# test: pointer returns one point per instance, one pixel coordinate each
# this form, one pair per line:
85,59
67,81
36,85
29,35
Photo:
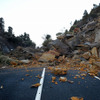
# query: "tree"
66,32
10,30
95,6
72,28
1,25
47,39
26,36
85,15
75,22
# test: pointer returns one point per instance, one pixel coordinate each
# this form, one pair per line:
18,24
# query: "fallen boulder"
62,48
86,55
48,56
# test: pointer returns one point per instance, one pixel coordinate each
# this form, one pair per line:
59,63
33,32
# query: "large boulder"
48,56
62,48
74,41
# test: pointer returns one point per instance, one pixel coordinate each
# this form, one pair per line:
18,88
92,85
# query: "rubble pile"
79,49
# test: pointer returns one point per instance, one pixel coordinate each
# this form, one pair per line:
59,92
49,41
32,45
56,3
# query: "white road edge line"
97,77
39,91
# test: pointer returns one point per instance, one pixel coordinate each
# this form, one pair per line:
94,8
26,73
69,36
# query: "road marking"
39,91
97,77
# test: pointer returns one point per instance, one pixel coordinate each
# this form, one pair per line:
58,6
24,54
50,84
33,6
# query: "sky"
41,17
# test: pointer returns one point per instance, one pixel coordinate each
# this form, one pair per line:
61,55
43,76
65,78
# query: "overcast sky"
39,17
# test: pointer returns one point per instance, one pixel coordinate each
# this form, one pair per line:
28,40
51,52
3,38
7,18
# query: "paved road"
88,88
16,89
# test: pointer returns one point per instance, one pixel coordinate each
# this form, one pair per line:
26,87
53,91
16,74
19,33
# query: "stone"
97,35
25,61
27,75
83,47
97,63
1,87
69,81
61,59
86,55
50,68
60,37
5,60
95,44
22,79
53,79
61,47
73,42
94,52
56,83
55,52
76,52
83,74
76,57
62,79
68,36
59,71
35,85
46,57
99,52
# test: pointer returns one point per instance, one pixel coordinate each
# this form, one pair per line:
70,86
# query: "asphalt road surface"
15,85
